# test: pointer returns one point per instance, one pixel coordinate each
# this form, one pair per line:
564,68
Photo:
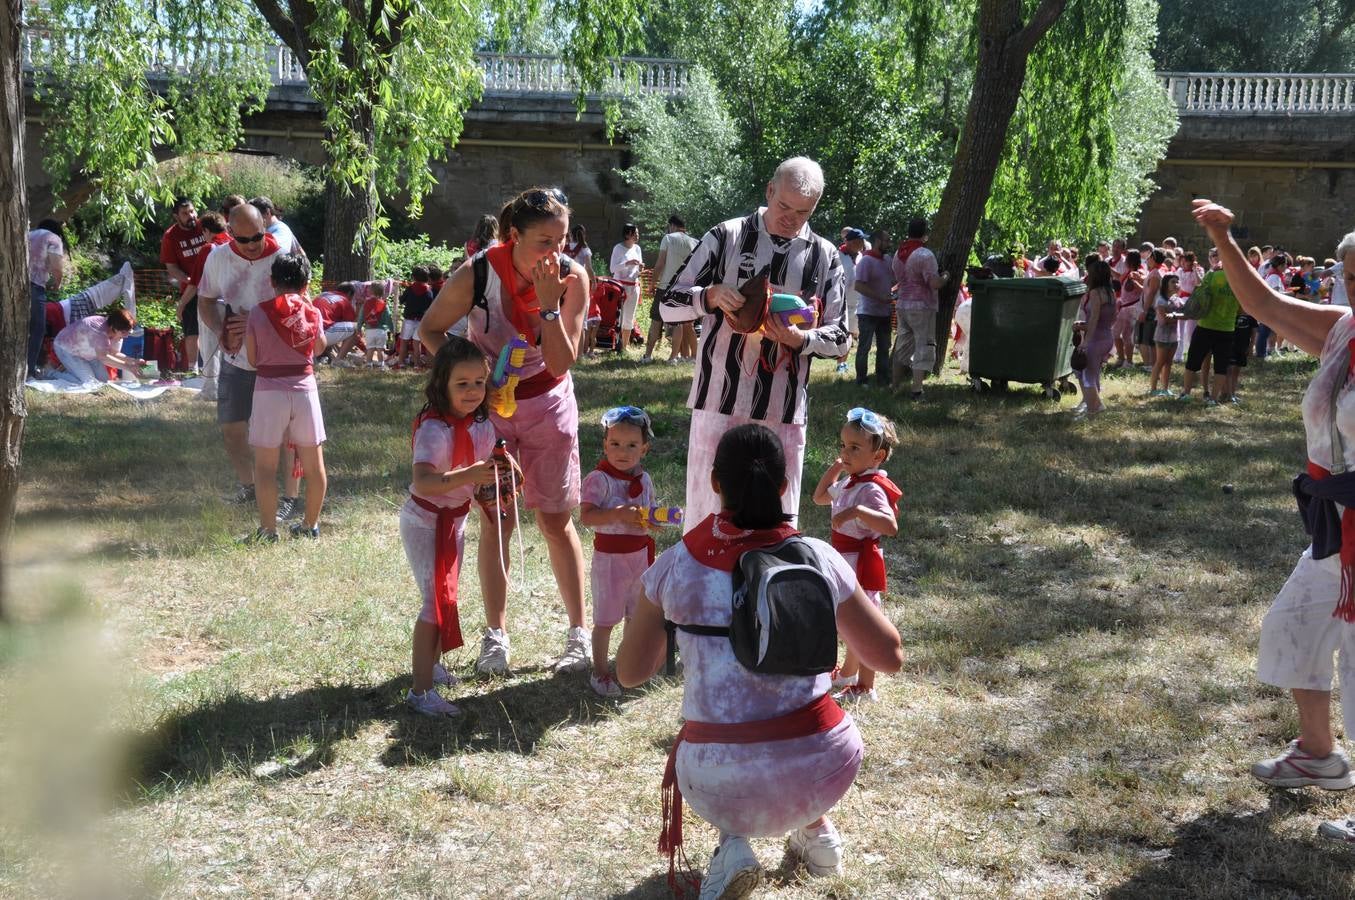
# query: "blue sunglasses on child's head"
866,419
632,414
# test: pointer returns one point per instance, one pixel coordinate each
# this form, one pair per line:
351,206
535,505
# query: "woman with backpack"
749,734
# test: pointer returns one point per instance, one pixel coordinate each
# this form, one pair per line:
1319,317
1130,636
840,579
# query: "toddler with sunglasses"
865,507
616,497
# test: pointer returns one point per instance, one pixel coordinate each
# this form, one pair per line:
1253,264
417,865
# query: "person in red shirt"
340,319
183,250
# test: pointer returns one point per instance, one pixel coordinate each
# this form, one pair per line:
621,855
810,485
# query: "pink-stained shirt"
88,338
716,686
433,445
864,493
42,245
914,279
606,492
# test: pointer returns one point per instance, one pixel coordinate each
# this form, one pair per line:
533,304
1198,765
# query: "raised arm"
1303,323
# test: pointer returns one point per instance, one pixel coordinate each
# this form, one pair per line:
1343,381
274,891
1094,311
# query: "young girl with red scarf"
865,508
282,336
759,755
616,497
452,442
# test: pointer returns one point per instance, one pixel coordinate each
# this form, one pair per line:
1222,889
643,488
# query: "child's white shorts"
375,338
409,330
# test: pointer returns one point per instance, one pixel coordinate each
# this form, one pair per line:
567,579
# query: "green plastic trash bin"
1021,329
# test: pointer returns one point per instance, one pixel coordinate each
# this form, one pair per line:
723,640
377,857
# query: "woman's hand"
1213,217
550,287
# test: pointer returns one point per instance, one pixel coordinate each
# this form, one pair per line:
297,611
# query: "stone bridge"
1280,149
525,129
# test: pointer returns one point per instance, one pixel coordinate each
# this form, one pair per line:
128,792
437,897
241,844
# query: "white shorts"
1300,637
375,338
339,331
409,331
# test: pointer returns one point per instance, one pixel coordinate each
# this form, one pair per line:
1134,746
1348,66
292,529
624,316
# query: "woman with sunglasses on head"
525,291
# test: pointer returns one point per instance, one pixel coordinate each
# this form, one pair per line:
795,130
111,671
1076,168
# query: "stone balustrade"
504,73
1260,94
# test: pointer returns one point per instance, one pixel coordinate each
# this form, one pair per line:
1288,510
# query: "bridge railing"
503,73
1223,94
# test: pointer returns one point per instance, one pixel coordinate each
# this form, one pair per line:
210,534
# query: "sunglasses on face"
248,240
866,419
629,414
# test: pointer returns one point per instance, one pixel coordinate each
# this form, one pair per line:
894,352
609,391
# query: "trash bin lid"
1057,288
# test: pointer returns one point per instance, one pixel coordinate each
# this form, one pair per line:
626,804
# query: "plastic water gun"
660,516
507,371
792,311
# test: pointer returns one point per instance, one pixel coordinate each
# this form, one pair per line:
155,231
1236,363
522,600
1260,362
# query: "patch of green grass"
1079,602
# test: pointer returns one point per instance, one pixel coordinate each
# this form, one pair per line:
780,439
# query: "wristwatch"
550,315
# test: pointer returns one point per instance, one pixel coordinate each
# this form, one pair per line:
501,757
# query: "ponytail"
750,467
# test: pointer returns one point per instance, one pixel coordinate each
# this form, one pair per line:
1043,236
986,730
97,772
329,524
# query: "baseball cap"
855,234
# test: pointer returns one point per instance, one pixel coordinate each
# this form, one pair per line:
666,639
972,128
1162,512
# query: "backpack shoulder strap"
712,630
480,272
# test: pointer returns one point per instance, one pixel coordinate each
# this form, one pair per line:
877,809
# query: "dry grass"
1079,602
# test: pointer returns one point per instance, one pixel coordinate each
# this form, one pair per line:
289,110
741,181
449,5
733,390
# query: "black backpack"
784,620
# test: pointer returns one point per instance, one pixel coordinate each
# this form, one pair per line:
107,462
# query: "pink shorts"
421,550
281,417
741,788
616,585
544,436
850,559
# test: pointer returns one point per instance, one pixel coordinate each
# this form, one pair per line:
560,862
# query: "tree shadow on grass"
287,735
1237,854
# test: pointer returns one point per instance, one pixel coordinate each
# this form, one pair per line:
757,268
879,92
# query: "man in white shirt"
674,249
280,230
235,279
849,251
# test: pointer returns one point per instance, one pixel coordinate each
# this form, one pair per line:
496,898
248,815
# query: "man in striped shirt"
760,378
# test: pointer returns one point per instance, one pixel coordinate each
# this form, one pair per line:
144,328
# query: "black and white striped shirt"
744,375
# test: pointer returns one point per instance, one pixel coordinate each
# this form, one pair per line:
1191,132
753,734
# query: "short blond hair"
802,175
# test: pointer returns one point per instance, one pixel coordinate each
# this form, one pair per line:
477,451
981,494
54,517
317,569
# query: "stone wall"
1291,180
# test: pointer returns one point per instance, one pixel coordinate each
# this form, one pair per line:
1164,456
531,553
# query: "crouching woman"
759,755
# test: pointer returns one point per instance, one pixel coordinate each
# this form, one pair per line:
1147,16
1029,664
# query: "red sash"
815,717
284,371
718,543
623,543
542,382
1345,609
446,568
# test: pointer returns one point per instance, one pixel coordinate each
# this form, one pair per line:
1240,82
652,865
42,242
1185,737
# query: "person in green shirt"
1213,335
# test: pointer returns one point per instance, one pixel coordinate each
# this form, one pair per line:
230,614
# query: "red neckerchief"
270,246
519,304
463,447
870,559
371,313
634,486
842,248
718,543
1345,608
287,313
420,288
875,253
908,247
221,238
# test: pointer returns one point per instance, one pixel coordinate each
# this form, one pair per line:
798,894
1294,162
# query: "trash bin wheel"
1052,392
1067,386
977,384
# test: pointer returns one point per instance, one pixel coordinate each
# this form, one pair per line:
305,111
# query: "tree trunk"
14,303
349,212
1004,47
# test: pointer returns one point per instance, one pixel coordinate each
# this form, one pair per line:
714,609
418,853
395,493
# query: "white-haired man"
758,377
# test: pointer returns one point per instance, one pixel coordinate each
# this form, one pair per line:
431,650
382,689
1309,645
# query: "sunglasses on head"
542,199
249,240
868,420
629,414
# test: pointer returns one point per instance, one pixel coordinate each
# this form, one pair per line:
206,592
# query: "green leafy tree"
1246,36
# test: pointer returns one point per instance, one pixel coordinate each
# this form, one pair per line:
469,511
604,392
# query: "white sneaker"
855,693
443,677
734,871
431,703
494,653
604,686
819,849
1296,768
577,655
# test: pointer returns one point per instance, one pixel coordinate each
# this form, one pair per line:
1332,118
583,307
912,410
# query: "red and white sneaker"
840,680
857,694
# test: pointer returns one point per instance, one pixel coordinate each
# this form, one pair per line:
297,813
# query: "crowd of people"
488,444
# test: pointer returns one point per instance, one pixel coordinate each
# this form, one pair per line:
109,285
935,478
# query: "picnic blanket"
135,390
